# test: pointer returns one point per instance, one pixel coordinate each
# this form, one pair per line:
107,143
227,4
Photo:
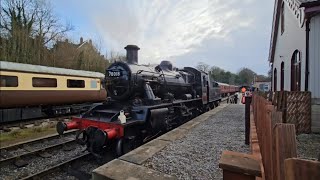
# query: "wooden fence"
295,107
277,141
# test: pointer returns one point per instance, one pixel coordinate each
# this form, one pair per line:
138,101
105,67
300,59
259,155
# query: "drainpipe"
306,86
272,77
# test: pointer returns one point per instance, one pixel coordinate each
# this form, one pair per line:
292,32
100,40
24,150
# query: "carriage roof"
12,66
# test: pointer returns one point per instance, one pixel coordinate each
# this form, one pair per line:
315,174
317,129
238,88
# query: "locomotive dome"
166,65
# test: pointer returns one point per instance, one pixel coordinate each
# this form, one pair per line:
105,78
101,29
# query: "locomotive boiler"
127,80
144,101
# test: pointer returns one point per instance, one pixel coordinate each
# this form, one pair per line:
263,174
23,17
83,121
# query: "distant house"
82,46
264,86
295,49
83,55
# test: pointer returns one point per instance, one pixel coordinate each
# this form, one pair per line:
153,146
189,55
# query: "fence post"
247,119
268,141
240,166
296,169
285,147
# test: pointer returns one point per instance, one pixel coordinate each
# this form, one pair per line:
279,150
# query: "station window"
8,81
72,83
296,71
282,18
44,82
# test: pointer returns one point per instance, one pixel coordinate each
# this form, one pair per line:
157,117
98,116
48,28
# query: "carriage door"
205,91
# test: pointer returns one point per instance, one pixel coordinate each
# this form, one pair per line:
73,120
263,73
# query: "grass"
15,136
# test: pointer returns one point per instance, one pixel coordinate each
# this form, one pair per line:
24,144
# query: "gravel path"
308,146
197,155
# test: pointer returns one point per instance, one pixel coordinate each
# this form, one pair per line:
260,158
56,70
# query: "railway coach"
227,89
32,91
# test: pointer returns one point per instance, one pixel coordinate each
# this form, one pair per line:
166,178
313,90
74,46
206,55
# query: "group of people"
233,99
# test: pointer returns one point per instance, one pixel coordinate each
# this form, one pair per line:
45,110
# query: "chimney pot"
132,54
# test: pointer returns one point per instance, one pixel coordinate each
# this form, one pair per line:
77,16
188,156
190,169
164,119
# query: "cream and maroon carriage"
30,91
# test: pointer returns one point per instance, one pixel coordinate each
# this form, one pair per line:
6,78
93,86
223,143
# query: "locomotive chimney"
132,54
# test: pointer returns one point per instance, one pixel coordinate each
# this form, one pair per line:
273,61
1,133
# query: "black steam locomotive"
144,101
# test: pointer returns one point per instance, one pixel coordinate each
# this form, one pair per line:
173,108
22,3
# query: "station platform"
191,151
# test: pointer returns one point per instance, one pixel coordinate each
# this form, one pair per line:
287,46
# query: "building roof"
274,30
308,3
12,66
220,83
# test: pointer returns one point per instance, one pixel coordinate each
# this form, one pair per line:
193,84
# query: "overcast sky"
226,33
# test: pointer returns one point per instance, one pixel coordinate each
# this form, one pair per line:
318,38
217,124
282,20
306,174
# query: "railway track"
17,151
48,157
62,166
29,158
8,126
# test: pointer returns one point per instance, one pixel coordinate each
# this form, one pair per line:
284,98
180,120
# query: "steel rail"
55,167
47,148
37,140
19,123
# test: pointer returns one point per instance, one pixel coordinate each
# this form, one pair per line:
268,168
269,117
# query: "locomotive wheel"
212,105
119,147
124,146
216,104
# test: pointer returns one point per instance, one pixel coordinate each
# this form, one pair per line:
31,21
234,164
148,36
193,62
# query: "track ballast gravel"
197,155
37,163
308,146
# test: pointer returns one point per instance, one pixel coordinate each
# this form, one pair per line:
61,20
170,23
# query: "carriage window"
8,81
44,82
71,83
93,84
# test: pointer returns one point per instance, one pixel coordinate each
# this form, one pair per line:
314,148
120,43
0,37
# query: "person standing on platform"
235,98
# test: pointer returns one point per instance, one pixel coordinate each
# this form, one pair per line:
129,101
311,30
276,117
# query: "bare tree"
203,66
48,26
27,27
17,19
113,56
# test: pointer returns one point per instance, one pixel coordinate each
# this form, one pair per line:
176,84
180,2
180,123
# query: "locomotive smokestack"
132,54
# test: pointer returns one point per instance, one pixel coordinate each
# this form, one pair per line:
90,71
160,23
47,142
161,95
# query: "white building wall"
314,57
293,38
